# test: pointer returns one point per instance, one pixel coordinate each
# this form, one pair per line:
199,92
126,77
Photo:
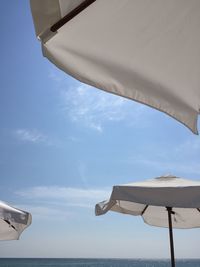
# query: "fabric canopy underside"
144,50
12,222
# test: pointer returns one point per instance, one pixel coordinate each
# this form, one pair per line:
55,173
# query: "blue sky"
64,144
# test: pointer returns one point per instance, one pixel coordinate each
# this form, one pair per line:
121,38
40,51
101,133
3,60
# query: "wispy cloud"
92,107
67,196
33,136
63,193
52,202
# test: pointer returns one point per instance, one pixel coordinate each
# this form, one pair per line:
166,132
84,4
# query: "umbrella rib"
144,209
71,15
10,224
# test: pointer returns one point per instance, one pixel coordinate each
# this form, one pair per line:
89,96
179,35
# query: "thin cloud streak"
54,202
68,194
33,136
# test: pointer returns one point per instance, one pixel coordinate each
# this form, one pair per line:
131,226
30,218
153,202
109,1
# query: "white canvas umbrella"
144,50
165,201
12,221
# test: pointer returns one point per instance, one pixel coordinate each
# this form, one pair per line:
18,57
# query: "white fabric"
145,50
47,12
12,222
150,199
69,5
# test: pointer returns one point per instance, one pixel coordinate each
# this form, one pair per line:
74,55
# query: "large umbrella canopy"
12,221
144,50
165,201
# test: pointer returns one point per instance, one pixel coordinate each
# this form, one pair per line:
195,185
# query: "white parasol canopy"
144,50
150,199
165,201
12,221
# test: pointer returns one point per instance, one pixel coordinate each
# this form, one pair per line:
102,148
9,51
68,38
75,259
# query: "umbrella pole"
169,210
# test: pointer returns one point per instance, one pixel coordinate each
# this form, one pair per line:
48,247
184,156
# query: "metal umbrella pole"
170,212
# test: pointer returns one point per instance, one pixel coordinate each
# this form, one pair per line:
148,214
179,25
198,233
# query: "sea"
18,262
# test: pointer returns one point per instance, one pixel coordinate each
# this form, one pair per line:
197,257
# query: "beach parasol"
165,201
144,50
12,221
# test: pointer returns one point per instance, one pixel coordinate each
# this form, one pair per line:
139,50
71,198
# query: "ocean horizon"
96,262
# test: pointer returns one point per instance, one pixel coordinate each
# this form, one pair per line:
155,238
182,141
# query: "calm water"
95,263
